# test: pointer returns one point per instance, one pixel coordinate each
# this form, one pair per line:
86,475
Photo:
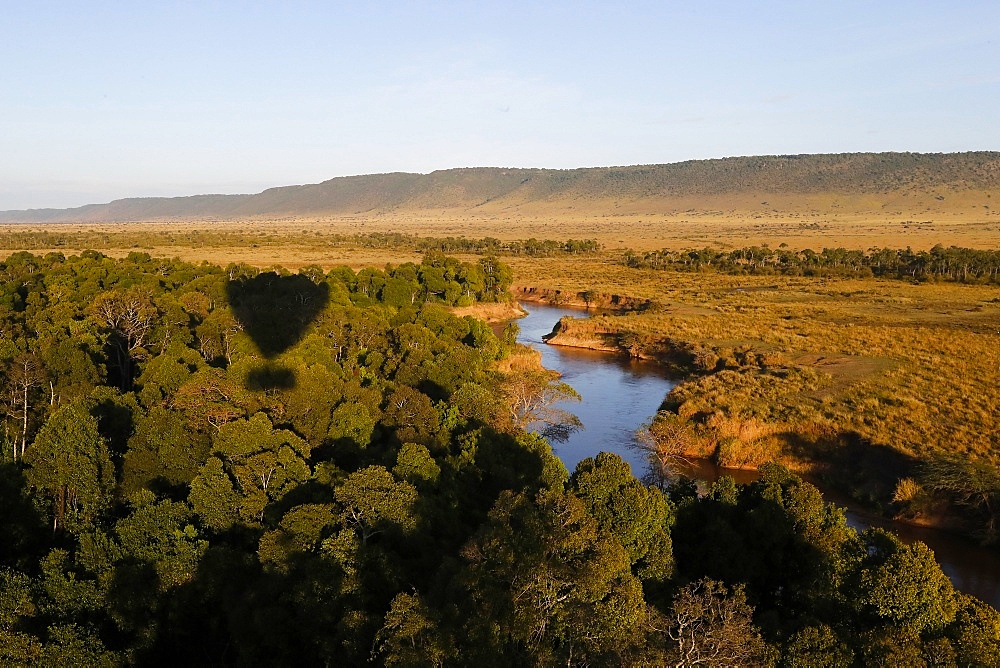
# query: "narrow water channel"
620,395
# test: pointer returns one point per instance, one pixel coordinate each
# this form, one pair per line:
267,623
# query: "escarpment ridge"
898,184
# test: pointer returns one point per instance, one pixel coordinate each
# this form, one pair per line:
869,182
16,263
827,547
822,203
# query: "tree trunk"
24,427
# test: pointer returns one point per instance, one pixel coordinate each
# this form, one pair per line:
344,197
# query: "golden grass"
490,312
912,367
919,220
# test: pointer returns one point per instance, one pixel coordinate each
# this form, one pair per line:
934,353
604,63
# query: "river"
619,395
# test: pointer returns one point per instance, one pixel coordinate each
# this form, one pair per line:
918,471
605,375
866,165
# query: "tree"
817,646
711,625
162,452
161,533
72,370
24,375
415,465
548,586
128,316
411,635
211,398
213,496
904,585
412,415
301,530
253,461
17,606
638,516
976,633
74,645
667,443
400,292
216,333
973,483
372,500
531,397
497,279
69,461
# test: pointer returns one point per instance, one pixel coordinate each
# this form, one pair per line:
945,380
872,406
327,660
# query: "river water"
619,395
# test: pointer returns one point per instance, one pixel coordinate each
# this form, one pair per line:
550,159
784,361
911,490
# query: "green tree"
548,586
415,465
638,516
72,370
161,533
412,415
69,462
372,501
74,645
301,530
25,376
17,648
904,585
257,462
213,496
497,279
412,636
817,646
975,633
163,452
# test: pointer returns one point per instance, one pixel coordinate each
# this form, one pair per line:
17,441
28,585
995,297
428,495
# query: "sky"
104,100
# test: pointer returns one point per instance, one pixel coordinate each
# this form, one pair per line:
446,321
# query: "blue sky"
106,100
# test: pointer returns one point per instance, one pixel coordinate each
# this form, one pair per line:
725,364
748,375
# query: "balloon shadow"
275,312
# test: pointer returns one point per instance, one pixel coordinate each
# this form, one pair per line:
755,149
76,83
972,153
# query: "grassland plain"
309,240
797,368
860,379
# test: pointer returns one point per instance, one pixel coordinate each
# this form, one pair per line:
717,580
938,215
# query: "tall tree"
532,397
548,586
70,463
127,315
709,625
24,375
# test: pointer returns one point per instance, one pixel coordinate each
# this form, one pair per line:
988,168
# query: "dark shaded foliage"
349,492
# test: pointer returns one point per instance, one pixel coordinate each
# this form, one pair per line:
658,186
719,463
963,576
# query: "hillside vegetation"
878,183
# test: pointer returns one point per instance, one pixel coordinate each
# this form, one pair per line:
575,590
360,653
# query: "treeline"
530,247
485,246
35,240
966,265
207,466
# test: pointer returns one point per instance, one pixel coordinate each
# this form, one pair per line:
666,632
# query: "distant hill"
853,182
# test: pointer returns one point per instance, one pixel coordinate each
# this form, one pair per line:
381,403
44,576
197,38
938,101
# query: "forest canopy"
228,466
